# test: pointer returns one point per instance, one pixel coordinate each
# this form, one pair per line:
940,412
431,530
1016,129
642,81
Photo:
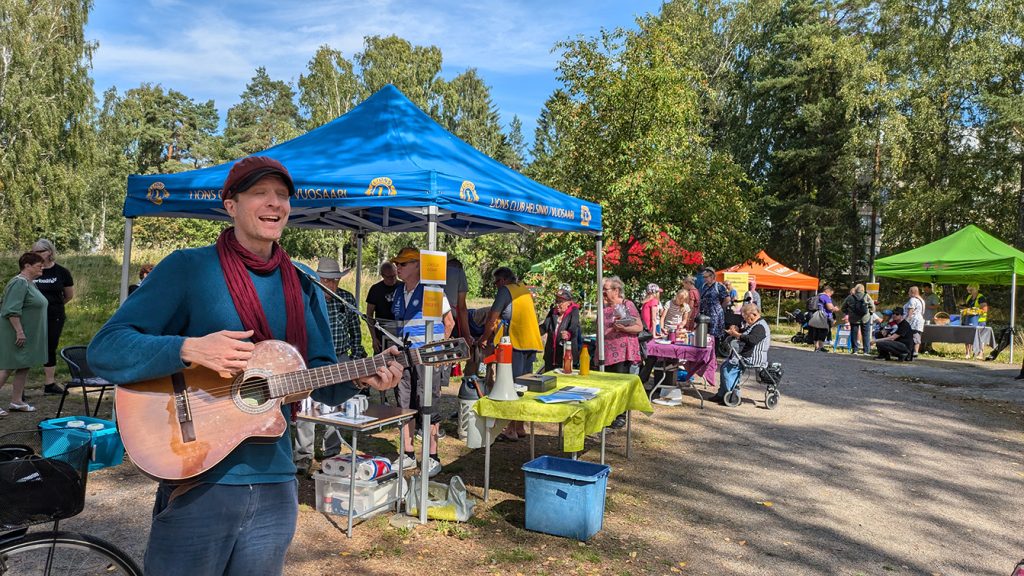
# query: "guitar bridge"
182,408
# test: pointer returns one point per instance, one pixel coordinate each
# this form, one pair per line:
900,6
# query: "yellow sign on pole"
872,290
739,282
433,303
433,267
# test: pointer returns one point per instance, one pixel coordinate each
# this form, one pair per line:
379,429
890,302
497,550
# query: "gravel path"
866,467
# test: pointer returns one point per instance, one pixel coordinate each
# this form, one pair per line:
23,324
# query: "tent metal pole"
599,252
778,308
428,377
1013,312
126,258
359,267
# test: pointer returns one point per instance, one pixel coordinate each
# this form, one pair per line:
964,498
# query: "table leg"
352,483
629,433
532,444
603,432
487,460
400,501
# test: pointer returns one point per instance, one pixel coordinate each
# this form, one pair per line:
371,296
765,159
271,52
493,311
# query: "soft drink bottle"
585,361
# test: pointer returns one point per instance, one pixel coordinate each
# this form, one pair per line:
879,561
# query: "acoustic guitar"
179,426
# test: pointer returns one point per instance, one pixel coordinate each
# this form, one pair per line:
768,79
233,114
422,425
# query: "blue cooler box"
565,497
107,447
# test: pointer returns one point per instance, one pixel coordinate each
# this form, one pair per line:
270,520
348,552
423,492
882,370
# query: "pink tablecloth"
698,361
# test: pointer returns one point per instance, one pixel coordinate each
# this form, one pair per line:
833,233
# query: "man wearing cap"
901,342
408,311
348,345
206,306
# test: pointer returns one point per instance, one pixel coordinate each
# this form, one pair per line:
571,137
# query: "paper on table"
570,394
340,417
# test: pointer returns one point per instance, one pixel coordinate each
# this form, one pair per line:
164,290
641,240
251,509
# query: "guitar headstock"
442,352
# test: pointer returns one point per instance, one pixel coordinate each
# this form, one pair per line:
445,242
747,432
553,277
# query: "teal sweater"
186,296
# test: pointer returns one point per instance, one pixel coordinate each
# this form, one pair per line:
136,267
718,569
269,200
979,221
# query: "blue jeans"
728,376
863,331
222,529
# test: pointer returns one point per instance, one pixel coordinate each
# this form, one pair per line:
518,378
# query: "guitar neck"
281,385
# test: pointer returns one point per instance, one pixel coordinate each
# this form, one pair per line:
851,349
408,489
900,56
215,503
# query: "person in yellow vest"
513,313
975,313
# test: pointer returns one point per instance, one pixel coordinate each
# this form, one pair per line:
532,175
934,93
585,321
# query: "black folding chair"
82,377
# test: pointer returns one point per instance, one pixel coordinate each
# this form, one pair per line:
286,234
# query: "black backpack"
813,303
859,308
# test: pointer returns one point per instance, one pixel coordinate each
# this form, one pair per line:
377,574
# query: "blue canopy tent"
385,166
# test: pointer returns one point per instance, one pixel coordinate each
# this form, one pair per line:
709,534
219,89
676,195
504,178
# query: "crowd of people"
896,333
240,516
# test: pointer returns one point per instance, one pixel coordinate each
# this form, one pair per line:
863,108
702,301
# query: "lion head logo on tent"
157,193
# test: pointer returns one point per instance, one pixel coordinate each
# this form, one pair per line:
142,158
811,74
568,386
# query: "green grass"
452,529
514,555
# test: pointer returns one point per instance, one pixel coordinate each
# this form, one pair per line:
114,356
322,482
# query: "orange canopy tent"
773,276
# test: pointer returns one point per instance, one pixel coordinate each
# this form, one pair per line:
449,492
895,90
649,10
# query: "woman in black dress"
58,287
562,325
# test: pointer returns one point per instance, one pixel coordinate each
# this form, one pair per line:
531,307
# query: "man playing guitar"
207,306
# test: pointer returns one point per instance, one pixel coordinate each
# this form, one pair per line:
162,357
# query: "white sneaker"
434,469
407,463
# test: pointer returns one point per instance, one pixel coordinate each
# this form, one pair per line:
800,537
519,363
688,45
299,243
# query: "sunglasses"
403,264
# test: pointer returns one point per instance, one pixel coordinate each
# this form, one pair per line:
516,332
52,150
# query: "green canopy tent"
965,256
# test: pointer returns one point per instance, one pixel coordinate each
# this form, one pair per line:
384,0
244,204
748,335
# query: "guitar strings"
293,378
304,379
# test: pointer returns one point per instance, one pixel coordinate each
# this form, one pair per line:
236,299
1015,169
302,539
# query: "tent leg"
428,377
778,308
599,252
1013,312
359,267
126,258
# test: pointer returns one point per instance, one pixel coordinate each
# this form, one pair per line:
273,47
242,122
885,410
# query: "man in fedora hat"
207,306
348,345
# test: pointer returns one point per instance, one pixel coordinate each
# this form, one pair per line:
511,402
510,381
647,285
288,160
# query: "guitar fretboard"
281,385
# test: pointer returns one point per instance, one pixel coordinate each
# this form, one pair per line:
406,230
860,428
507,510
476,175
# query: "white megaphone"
504,384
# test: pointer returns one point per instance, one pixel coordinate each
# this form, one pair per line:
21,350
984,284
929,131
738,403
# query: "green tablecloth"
619,392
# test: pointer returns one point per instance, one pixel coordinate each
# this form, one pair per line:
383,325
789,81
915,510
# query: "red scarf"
234,260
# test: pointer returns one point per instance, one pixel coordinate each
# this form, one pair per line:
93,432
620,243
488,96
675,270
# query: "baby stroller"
801,317
771,377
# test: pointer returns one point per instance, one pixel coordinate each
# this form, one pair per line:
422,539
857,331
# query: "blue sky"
211,49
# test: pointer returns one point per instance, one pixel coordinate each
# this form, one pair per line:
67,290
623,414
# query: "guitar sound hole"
253,393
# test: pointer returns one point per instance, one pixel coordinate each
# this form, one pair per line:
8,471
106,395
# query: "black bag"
645,336
860,307
813,303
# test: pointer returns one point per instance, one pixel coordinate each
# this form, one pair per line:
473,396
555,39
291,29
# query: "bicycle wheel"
73,554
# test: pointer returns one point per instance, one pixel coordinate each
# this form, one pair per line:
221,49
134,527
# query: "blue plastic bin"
565,497
108,450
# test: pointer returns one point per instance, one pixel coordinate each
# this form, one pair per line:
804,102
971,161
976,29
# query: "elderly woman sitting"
753,339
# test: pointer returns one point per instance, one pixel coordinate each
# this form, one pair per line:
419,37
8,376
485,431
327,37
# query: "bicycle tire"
74,554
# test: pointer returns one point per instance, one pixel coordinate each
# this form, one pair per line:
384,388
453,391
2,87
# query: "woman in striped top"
755,338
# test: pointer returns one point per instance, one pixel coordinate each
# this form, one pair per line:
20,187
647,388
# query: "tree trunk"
1019,240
